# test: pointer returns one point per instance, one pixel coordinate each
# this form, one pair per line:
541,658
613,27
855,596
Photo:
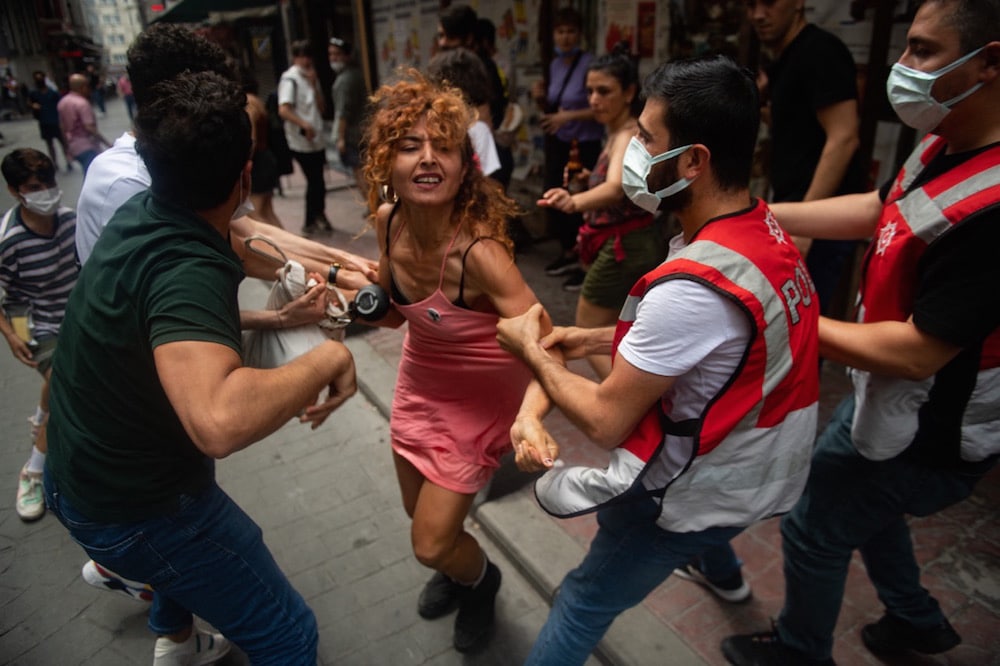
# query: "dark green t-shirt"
158,274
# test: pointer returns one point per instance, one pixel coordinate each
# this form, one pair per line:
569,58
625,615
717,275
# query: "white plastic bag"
270,348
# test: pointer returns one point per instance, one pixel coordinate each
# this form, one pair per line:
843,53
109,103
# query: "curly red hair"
396,107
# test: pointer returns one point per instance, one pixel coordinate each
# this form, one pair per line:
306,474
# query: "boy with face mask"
36,228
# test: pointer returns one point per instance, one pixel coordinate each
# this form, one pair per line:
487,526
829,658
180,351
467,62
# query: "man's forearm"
830,169
246,404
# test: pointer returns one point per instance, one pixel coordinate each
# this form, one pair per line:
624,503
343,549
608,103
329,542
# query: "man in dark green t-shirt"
152,390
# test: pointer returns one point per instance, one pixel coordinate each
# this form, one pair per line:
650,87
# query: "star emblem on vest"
774,227
885,237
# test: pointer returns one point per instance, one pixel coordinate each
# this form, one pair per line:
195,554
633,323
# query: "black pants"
563,226
312,167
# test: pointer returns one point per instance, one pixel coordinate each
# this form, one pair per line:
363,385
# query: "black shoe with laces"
475,612
439,596
893,635
766,649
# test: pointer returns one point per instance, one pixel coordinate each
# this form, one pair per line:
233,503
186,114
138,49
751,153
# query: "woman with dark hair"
447,264
618,242
567,119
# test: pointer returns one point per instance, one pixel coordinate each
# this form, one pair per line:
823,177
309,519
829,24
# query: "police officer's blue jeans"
850,503
628,558
206,558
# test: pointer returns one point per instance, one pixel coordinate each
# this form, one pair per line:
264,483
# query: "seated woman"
619,241
446,263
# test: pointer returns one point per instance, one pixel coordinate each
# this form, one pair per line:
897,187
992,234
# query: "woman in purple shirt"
567,116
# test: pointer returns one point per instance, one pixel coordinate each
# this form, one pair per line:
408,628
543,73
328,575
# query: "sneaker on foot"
893,635
323,224
200,649
475,612
766,649
575,281
30,503
439,596
562,265
733,589
106,579
309,229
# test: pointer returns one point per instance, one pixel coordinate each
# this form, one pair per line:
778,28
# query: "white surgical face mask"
44,202
635,169
337,65
909,93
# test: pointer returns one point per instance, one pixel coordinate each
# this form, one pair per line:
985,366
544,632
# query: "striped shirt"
39,271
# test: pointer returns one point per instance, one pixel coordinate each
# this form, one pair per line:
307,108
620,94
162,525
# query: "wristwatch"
331,277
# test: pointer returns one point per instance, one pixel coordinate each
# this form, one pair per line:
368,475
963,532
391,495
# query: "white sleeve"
485,147
682,323
286,91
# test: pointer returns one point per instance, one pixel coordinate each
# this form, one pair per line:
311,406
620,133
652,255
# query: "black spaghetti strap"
460,301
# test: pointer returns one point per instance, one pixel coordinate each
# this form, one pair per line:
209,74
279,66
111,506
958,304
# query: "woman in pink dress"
448,266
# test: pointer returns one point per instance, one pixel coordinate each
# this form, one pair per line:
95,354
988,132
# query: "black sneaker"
574,282
562,265
475,612
733,589
892,635
309,229
439,596
766,649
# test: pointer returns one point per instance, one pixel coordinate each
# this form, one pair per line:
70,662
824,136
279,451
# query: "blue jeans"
628,558
851,503
207,558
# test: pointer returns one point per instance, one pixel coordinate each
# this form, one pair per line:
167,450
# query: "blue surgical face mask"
635,170
909,93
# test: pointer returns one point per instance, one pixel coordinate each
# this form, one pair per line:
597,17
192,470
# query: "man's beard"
678,201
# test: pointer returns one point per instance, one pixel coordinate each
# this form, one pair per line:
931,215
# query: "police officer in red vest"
710,408
924,353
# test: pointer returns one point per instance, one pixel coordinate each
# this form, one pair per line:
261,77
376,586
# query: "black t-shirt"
813,72
956,300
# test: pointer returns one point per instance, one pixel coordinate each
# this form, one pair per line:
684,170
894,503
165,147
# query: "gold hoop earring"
388,194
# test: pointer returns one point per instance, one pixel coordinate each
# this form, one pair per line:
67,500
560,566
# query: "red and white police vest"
747,456
886,408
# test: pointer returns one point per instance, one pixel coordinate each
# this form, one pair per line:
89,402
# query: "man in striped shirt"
38,268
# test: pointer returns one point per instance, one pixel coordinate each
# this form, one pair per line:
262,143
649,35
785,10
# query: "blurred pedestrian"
300,104
350,96
125,90
44,100
78,123
568,122
264,176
